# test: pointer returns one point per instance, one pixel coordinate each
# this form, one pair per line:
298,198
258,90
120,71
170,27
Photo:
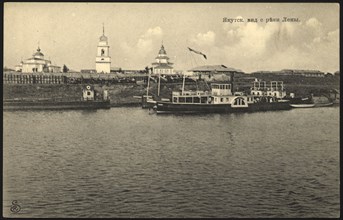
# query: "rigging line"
207,85
190,58
196,84
195,60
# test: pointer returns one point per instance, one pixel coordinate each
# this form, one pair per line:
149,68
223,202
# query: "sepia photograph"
171,110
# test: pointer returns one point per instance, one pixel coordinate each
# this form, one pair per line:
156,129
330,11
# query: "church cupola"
38,54
162,51
103,37
162,64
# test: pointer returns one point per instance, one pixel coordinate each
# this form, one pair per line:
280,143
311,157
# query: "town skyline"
69,33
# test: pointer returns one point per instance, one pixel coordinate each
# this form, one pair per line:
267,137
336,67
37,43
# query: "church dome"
38,53
103,38
162,51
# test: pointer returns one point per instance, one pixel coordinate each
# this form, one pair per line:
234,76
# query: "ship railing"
191,93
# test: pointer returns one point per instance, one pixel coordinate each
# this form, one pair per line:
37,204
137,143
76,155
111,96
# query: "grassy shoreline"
126,94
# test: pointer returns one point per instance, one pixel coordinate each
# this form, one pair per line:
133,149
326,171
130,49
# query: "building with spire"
103,59
37,63
162,64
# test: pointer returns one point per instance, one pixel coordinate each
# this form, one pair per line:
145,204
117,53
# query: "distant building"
162,64
116,70
88,71
306,73
103,59
212,70
37,63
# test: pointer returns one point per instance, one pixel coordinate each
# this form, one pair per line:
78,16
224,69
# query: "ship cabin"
191,97
261,89
222,94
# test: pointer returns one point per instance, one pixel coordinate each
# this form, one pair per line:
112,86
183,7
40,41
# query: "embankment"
123,94
120,94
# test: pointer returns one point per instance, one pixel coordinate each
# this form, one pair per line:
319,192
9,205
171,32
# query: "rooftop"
162,57
163,66
217,68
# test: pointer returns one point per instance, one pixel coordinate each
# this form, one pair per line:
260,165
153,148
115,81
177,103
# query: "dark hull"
167,107
300,101
55,105
147,103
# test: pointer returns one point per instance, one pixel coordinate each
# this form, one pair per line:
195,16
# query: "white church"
162,64
37,64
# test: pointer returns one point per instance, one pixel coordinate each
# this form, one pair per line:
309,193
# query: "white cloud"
145,43
313,23
273,46
143,48
151,32
204,39
333,36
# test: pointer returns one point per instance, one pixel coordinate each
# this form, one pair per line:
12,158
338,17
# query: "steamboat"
221,99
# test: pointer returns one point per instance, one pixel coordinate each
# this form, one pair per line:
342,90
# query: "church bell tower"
103,59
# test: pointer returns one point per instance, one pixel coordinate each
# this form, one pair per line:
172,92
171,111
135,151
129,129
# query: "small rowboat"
323,104
302,105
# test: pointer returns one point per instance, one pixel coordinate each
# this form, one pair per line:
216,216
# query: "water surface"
124,162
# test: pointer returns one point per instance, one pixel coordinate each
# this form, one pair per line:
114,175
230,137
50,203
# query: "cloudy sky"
68,33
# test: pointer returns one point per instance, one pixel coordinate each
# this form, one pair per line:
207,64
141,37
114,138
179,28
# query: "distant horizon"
136,32
79,71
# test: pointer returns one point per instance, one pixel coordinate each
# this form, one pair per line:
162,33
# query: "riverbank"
125,94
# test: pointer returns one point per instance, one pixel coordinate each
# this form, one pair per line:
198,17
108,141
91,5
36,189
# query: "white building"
103,59
162,64
88,93
37,63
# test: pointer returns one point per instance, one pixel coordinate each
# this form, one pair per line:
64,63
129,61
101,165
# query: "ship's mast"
147,88
159,84
183,84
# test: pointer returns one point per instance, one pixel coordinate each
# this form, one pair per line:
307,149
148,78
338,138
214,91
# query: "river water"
125,162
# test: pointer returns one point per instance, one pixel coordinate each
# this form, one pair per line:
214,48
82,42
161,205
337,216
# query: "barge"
87,101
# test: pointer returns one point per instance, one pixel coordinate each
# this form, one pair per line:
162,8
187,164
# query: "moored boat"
87,101
221,99
301,102
323,104
148,101
302,105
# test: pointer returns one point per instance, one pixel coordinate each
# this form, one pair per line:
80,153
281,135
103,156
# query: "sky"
68,33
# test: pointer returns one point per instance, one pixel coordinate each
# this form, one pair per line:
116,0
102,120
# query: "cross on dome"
103,37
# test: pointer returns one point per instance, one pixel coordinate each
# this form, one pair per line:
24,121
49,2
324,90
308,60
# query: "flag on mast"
197,52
